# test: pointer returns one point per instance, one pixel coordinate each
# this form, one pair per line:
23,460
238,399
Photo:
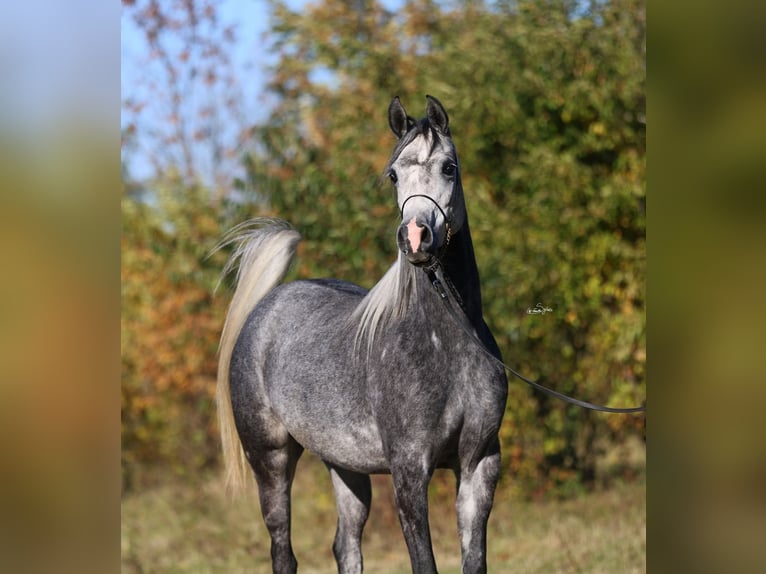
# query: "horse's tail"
264,249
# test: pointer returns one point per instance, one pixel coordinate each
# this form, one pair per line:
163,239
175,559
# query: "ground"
184,527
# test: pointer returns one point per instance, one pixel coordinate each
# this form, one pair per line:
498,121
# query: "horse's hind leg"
353,495
274,471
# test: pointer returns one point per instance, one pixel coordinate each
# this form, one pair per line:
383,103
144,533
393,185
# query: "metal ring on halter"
447,225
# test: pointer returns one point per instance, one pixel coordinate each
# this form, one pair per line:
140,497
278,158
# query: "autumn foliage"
171,322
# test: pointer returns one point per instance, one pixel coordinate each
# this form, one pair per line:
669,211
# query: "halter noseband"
447,220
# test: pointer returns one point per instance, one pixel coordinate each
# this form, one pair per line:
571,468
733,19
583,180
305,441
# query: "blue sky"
251,61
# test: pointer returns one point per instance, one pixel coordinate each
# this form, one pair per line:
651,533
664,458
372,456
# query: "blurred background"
281,110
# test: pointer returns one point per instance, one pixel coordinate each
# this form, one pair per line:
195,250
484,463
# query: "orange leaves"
170,328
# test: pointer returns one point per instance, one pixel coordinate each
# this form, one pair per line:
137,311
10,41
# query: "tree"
171,323
185,106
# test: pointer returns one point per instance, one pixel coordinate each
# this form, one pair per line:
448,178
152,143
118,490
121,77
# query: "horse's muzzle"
416,240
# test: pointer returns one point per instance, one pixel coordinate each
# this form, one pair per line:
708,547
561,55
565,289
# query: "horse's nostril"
426,238
401,239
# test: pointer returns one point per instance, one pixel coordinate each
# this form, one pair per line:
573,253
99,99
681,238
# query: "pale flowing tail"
264,249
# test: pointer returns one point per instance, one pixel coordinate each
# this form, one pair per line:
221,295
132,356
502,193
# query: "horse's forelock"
421,128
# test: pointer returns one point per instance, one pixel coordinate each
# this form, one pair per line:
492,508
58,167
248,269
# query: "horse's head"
425,170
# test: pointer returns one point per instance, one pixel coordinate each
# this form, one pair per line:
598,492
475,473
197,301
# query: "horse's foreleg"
353,495
274,471
476,490
411,493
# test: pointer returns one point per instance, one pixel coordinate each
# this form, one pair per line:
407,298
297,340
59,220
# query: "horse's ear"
437,116
397,118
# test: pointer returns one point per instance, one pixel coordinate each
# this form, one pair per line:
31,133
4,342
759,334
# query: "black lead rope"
460,319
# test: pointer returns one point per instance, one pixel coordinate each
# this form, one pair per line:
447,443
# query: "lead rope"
461,320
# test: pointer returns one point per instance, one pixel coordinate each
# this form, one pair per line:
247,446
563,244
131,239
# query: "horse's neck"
460,266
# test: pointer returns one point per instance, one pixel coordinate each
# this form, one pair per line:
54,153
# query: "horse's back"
293,311
285,328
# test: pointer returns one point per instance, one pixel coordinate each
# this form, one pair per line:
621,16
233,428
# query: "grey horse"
378,381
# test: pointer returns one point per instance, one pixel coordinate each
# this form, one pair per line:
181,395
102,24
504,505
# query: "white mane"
386,302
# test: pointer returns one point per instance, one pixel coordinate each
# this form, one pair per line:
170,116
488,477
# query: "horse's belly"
345,442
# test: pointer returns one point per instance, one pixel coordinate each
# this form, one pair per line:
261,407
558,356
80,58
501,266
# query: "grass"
185,528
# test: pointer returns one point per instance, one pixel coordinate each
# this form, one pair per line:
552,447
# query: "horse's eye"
448,169
392,176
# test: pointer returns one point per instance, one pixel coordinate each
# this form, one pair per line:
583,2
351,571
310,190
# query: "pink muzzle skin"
414,235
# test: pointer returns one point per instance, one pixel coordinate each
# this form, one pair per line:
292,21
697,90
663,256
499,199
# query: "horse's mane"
385,303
